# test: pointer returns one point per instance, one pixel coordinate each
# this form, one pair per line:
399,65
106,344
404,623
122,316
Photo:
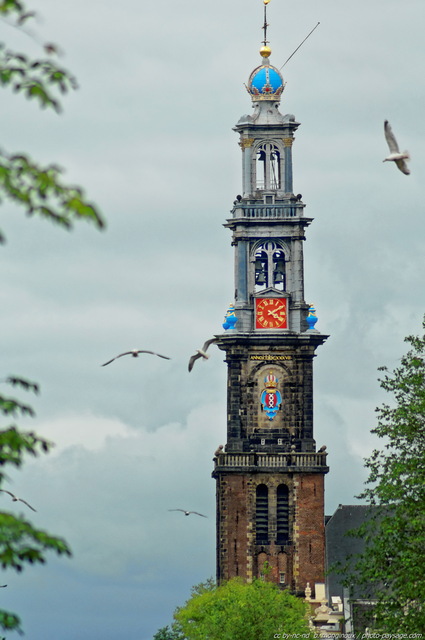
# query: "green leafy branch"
13,443
35,78
9,622
10,7
40,191
19,14
20,542
17,381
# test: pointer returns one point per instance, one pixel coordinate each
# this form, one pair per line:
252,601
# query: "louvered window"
282,515
262,514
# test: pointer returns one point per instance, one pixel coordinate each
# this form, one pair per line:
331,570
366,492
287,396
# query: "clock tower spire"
270,477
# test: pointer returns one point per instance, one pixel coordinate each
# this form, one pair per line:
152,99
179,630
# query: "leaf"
9,406
14,444
10,622
38,79
23,383
40,190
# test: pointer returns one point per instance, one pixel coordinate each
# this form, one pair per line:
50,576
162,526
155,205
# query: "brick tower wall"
309,530
301,560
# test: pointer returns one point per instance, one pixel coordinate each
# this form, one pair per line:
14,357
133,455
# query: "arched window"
282,515
269,267
268,167
262,514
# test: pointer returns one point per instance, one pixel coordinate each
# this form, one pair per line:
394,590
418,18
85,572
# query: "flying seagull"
201,353
187,513
395,155
15,499
135,354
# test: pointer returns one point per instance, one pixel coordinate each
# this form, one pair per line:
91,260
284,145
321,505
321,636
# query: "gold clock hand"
275,313
279,308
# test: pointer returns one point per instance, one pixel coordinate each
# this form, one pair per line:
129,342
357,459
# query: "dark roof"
339,545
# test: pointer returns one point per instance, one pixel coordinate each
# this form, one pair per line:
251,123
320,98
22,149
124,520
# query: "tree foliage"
168,633
40,191
20,542
39,79
256,611
394,560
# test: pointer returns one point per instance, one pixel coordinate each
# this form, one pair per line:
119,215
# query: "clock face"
271,313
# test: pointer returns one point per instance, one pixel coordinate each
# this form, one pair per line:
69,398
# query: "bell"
260,278
279,277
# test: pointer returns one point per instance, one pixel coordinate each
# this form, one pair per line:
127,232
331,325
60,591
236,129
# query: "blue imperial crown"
265,83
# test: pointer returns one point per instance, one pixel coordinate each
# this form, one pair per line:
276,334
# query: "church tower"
269,476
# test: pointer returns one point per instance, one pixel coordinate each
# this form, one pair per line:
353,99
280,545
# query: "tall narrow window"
268,167
282,515
262,514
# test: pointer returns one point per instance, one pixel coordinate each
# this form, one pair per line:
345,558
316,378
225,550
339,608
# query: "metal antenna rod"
300,45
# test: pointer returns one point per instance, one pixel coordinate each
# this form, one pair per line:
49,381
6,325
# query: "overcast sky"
149,135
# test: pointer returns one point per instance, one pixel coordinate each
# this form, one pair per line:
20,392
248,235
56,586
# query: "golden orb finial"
266,1
265,51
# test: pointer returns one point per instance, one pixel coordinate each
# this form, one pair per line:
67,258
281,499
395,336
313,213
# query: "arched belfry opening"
268,167
269,266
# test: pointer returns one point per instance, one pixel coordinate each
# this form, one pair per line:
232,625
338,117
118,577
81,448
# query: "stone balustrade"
268,211
284,462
